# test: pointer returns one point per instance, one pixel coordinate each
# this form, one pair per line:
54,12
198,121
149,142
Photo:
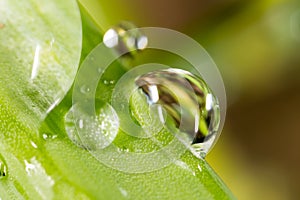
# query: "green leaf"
41,161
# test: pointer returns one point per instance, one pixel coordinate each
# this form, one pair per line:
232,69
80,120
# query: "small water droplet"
105,82
188,101
108,82
47,136
3,168
111,82
120,38
85,89
95,131
124,149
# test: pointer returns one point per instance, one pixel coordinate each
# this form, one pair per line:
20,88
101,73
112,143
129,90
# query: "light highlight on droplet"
110,38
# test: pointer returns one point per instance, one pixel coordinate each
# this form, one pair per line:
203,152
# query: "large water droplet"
189,102
92,132
3,168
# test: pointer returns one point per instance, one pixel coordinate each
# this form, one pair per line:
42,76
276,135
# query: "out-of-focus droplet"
189,102
105,82
112,82
48,136
108,82
3,168
93,132
119,38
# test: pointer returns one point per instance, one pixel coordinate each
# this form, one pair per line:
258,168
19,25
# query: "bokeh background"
256,45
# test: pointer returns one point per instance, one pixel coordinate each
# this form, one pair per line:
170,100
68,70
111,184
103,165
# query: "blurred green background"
256,45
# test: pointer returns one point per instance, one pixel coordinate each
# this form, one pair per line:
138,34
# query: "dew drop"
85,89
120,38
3,168
45,136
94,131
105,82
48,136
112,82
188,101
122,150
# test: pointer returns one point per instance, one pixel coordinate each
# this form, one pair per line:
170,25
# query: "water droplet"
120,38
45,136
3,169
124,149
189,102
85,89
108,82
105,82
48,136
95,131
